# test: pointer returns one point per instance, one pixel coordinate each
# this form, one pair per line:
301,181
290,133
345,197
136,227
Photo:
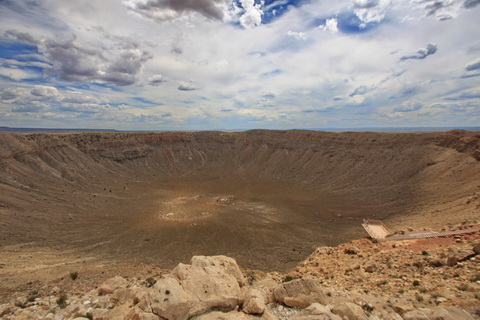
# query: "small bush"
368,307
416,283
149,282
288,279
74,275
62,301
32,296
476,278
463,287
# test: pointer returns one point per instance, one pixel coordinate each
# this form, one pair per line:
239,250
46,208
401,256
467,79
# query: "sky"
239,64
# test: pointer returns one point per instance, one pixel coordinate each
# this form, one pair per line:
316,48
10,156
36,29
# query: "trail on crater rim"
266,198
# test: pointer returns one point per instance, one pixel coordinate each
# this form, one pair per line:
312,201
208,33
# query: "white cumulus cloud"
330,25
252,15
297,35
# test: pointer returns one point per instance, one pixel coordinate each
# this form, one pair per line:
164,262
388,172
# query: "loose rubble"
435,279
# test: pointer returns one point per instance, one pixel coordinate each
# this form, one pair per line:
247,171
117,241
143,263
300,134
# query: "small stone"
402,308
371,268
476,248
351,250
254,302
439,300
451,261
436,263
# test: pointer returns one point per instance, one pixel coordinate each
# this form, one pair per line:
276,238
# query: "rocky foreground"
418,279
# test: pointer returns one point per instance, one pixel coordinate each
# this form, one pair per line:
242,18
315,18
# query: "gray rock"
208,283
254,302
316,311
169,300
138,314
390,316
450,313
5,309
349,310
112,284
216,315
420,314
300,293
451,261
476,248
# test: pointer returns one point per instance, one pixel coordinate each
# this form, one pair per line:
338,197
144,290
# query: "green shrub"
288,279
62,301
74,275
149,282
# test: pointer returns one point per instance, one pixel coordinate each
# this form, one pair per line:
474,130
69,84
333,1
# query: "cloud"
21,36
467,95
252,15
44,91
187,86
360,91
124,69
365,4
469,4
9,93
45,94
156,80
297,35
29,108
330,25
72,60
474,65
87,52
422,53
442,9
408,106
371,11
268,96
164,10
16,74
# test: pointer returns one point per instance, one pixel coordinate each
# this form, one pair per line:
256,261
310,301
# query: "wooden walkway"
431,234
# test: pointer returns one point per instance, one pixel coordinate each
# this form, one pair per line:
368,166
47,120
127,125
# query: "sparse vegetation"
416,283
62,301
150,282
288,279
475,278
74,275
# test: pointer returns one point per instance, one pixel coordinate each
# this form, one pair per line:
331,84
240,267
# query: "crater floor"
267,199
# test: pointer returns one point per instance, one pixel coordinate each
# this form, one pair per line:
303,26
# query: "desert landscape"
285,205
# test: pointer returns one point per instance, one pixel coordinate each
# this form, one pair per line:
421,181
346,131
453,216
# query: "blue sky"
223,64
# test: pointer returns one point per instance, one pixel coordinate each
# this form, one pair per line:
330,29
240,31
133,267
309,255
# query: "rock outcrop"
214,288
